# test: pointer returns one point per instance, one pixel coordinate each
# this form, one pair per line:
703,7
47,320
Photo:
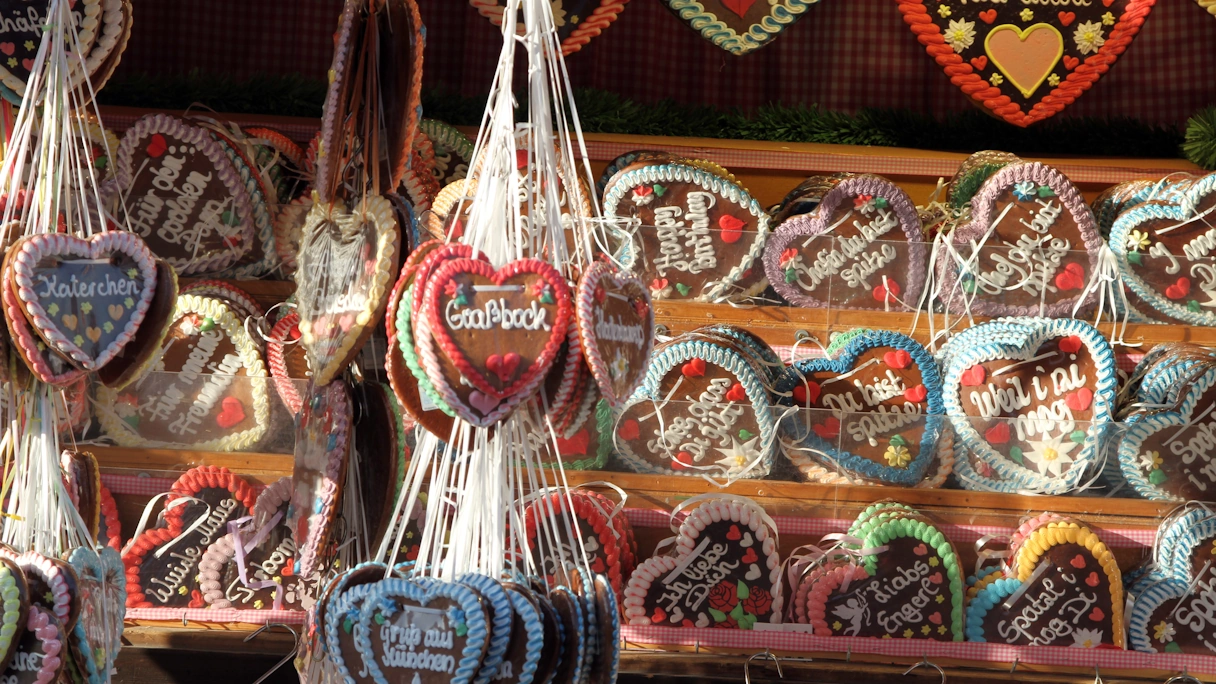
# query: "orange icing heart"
1025,56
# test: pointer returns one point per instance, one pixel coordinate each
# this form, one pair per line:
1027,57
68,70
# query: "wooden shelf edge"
263,467
212,637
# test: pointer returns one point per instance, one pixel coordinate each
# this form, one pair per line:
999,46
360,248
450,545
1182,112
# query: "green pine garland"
604,112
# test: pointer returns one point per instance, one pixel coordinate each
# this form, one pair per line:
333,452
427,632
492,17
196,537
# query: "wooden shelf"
264,468
212,637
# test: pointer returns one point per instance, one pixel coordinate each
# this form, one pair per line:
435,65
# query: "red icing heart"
897,359
980,63
1107,3
688,623
807,393
1066,18
196,599
659,615
521,159
576,445
936,578
288,570
1071,62
888,293
973,376
1077,562
503,366
736,393
28,64
682,460
8,48
598,565
920,549
1180,288
1093,579
997,434
750,556
659,284
695,368
936,618
156,145
739,7
734,534
1079,400
916,394
628,430
232,412
732,229
988,16
829,429
1071,278
1096,614
1070,344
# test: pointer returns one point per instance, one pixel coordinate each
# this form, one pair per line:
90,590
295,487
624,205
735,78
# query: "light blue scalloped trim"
985,601
1180,564
424,592
707,181
1128,220
613,618
759,34
969,479
591,618
616,165
984,572
534,631
91,675
967,436
886,530
1140,426
1142,611
415,234
662,361
1172,534
843,362
580,623
343,604
769,361
500,629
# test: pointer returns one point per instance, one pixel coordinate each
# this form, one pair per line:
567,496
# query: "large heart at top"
500,328
616,325
1030,248
345,268
863,248
85,298
1025,63
739,26
577,21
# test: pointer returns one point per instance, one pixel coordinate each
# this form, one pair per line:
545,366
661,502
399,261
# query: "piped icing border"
1140,426
745,512
276,358
263,224
315,517
500,617
44,627
780,16
534,635
584,306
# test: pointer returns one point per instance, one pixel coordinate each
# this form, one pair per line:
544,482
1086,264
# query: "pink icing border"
639,583
320,524
19,329
276,358
817,598
51,635
329,125
52,574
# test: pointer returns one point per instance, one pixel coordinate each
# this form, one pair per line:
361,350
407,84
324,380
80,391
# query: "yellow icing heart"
1025,56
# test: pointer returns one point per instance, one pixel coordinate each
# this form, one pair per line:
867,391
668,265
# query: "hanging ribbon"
241,547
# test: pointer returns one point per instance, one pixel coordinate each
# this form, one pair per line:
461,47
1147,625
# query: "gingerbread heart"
501,329
288,230
109,528
85,298
322,448
1163,617
874,408
527,651
1065,589
600,542
910,588
411,387
102,585
1025,63
186,199
1033,403
739,26
616,325
1164,253
1030,248
82,480
13,613
576,21
691,234
453,151
726,572
703,410
863,248
207,390
1161,453
288,360
347,259
144,349
21,35
40,654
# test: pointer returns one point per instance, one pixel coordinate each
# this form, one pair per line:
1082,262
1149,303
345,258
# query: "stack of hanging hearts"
1171,599
471,341
377,624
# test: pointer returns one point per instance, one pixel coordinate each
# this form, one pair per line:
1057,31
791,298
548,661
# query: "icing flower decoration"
723,597
943,11
559,14
1053,80
1138,240
1164,632
898,456
458,292
961,34
758,601
620,366
1151,460
1024,191
640,307
1089,37
1087,638
864,203
643,195
1108,19
788,256
542,291
996,79
1027,14
1051,455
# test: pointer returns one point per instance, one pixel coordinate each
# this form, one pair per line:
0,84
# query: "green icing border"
887,530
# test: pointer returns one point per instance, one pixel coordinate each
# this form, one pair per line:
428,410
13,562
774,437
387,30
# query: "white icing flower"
1164,632
1051,455
961,34
738,456
620,365
1089,37
1087,638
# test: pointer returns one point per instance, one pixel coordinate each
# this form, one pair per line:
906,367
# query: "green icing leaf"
1157,477
1045,191
717,615
1133,258
737,612
1078,436
684,289
1016,454
741,590
898,441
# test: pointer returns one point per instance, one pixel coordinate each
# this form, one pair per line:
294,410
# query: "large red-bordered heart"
1025,47
85,298
606,538
500,328
616,325
577,21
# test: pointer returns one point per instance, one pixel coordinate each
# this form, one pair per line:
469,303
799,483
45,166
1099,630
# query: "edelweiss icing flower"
1051,455
1087,638
1137,240
1024,190
1151,460
1089,37
961,34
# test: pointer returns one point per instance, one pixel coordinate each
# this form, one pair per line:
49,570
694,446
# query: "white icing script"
695,581
884,591
1031,262
32,22
672,253
172,228
1021,625
1199,613
123,287
401,636
496,314
711,418
865,422
828,262
189,556
613,330
993,401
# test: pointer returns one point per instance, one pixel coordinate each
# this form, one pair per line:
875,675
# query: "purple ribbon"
240,547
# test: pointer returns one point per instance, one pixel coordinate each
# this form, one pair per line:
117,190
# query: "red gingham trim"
773,637
255,617
136,485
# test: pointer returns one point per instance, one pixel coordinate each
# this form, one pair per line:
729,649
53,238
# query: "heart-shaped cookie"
616,325
874,408
287,360
262,257
13,612
690,234
1163,453
82,480
1164,253
739,26
1167,613
288,229
322,447
862,248
576,21
726,572
109,528
703,410
528,651
1065,589
911,588
1030,248
1031,404
347,259
102,587
143,349
86,298
408,380
1025,63
453,151
207,390
186,199
501,329
52,584
453,615
39,657
603,542
21,36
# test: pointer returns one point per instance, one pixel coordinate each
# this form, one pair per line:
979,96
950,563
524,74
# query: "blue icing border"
614,624
1175,529
769,361
1179,565
423,592
1141,426
983,572
86,651
1104,385
1142,611
343,603
983,603
500,628
535,631
581,623
757,35
842,363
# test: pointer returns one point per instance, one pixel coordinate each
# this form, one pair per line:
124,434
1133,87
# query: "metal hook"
1014,668
1184,677
287,658
747,674
923,663
1097,676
